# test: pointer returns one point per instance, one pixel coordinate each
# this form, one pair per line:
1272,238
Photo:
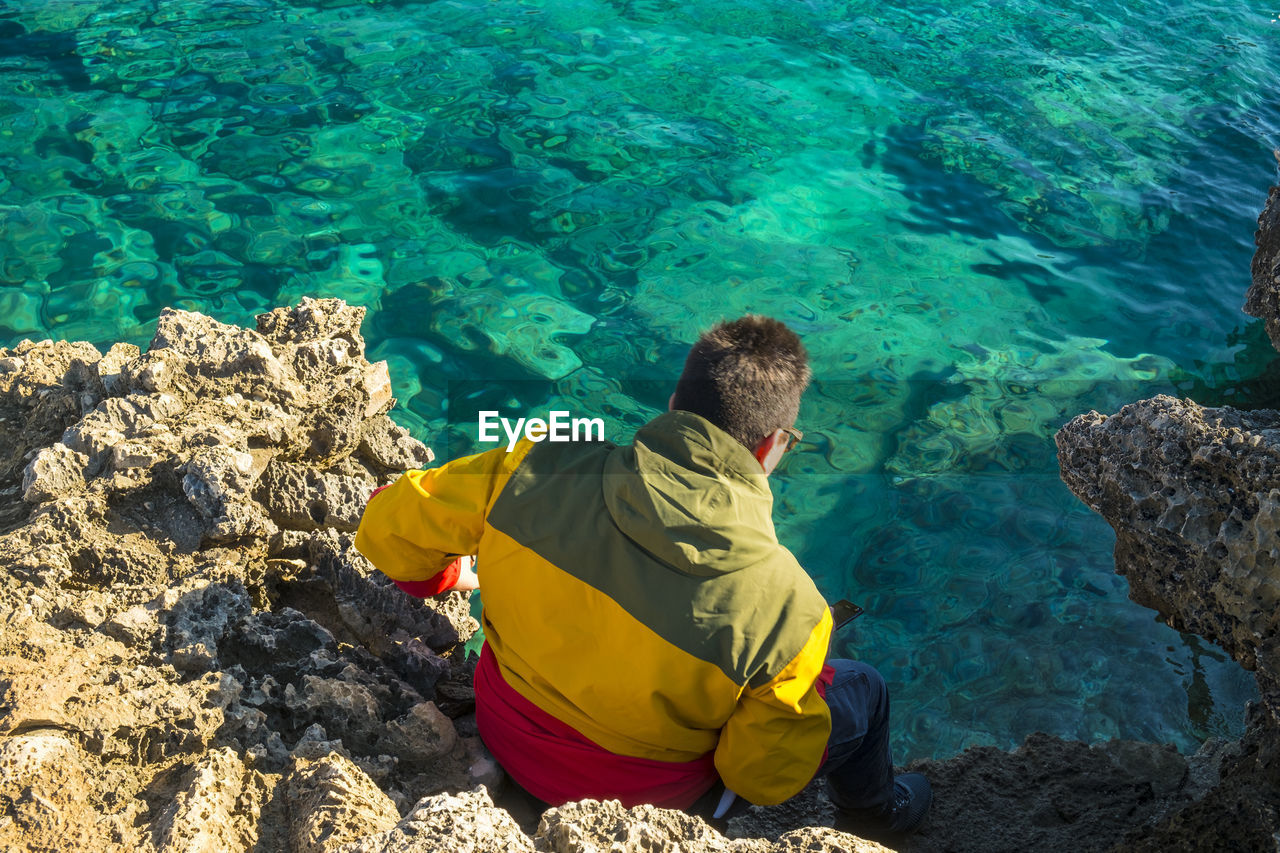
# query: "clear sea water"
984,217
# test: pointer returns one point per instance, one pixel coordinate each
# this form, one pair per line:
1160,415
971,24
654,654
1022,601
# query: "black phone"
843,612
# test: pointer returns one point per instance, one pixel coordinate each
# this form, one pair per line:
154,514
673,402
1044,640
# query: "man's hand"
467,579
459,574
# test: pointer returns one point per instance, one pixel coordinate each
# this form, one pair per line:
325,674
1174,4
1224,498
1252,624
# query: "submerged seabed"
984,218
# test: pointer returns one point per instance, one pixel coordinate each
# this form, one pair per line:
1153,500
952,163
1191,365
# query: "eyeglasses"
794,436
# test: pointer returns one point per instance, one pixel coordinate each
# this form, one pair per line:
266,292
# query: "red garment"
442,581
556,764
825,678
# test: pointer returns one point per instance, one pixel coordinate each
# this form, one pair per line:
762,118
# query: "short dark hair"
746,377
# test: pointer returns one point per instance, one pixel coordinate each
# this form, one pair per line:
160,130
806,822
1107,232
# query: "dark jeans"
859,769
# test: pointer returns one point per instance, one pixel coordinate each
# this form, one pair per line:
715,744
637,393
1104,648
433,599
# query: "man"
646,635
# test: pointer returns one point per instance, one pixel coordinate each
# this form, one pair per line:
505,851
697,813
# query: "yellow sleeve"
773,744
416,526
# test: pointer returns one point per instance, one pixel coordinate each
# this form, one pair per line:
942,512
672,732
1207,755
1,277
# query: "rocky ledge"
193,657
1194,496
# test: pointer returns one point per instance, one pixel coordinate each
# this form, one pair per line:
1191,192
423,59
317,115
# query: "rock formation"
1263,298
192,654
1194,496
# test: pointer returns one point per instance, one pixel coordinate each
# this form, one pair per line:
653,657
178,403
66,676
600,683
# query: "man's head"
746,377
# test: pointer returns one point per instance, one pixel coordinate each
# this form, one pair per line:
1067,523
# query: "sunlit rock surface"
183,621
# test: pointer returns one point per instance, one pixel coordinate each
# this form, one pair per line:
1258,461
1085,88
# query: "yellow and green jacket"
637,594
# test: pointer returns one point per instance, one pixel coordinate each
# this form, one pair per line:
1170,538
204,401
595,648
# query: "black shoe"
912,796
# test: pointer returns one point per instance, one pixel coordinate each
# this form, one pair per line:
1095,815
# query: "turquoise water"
984,218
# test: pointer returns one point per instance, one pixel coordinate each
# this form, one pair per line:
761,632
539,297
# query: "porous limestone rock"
193,355
325,320
48,793
211,812
589,826
169,626
421,737
469,822
1263,298
55,471
120,709
820,839
333,802
44,388
465,822
110,365
1064,794
198,614
298,497
34,370
1241,811
388,446
135,627
1194,496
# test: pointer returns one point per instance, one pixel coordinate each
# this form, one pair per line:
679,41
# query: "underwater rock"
523,326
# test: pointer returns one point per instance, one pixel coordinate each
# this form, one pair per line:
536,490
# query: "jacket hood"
691,495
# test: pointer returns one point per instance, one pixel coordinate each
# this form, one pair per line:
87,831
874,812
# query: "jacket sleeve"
776,739
414,529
